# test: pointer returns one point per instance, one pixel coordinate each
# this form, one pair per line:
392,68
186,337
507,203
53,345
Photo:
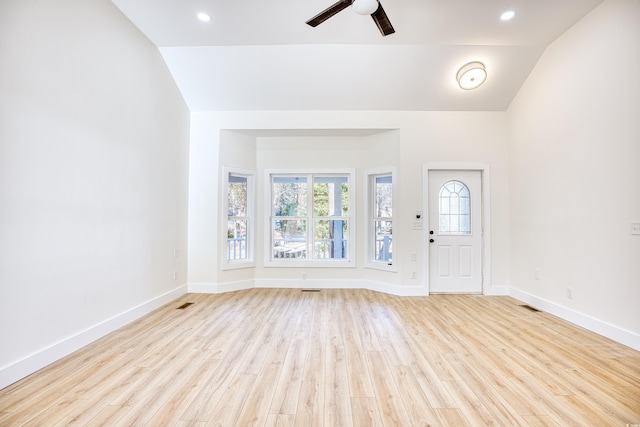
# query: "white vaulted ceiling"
260,54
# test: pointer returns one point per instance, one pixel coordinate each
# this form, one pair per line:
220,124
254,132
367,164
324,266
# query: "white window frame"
350,260
249,261
370,176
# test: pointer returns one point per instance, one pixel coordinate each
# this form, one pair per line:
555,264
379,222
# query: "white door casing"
455,235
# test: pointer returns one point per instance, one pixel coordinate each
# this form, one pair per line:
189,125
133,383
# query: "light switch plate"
635,227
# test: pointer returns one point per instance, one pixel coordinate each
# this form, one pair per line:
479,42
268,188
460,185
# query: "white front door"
455,231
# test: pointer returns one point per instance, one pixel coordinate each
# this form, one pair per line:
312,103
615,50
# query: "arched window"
455,209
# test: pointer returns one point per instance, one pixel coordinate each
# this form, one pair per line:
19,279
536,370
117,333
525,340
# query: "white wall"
574,175
416,138
93,178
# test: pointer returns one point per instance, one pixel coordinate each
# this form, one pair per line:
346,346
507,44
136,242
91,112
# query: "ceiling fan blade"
382,21
329,12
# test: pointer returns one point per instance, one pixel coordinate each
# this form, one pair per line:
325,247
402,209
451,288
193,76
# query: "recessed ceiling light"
507,15
204,17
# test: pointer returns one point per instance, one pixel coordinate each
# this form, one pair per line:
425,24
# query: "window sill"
381,266
309,264
238,265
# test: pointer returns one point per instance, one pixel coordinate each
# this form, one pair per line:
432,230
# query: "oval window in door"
455,209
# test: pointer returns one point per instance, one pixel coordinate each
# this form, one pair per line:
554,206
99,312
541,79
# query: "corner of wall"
38,360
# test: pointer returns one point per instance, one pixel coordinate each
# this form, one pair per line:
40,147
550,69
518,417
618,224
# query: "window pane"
465,224
465,206
454,204
383,240
289,238
444,206
455,209
289,196
454,224
444,224
236,239
237,195
330,239
330,196
384,197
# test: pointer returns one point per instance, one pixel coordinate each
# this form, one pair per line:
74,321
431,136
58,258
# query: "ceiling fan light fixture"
364,7
471,75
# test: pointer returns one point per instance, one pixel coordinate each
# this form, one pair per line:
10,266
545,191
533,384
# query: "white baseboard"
219,288
38,360
497,291
213,288
613,332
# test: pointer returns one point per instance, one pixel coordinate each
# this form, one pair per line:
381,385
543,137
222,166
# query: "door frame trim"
485,178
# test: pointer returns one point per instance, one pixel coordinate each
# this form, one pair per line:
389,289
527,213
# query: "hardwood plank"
545,403
475,379
367,333
337,396
88,407
287,392
256,408
366,412
180,400
314,368
451,417
280,420
109,415
470,404
232,401
359,380
417,405
540,421
390,402
155,394
432,386
203,405
310,410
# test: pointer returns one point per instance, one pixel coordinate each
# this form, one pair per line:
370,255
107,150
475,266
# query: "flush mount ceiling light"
471,75
364,7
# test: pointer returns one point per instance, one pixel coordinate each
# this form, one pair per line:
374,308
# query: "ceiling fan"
362,7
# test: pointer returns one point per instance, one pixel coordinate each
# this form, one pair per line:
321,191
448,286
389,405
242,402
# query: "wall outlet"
536,274
414,256
414,275
635,227
304,276
570,293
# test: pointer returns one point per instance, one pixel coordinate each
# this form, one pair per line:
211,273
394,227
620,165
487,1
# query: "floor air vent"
528,307
183,306
311,290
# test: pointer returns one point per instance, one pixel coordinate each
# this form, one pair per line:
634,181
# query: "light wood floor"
336,358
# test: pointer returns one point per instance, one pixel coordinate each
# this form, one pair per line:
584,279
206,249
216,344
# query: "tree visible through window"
310,217
239,217
383,217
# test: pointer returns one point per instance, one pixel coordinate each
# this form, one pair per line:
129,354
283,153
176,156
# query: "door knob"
431,240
